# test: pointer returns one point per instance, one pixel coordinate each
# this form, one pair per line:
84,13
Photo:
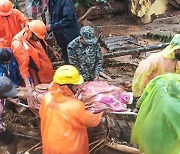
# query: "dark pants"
65,55
63,43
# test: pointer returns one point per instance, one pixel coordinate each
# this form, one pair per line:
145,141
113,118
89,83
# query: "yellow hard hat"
68,74
38,28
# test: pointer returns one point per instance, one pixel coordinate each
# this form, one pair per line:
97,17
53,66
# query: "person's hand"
14,100
96,78
136,110
94,8
81,19
57,55
48,28
29,85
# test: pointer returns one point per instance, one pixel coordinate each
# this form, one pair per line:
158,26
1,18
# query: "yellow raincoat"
64,122
156,64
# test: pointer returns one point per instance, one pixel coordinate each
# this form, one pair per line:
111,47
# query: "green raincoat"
157,127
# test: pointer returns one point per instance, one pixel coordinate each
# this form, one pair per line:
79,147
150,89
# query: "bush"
85,3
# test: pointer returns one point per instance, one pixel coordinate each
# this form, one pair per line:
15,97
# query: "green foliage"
85,3
161,37
16,5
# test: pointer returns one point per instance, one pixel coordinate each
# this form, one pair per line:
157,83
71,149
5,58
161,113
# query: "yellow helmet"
38,28
68,74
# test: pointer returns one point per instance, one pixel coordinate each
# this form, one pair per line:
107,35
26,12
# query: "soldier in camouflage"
84,52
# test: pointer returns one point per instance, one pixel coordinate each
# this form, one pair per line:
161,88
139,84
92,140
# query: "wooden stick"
99,148
97,145
135,43
94,142
33,147
105,76
26,136
58,63
123,148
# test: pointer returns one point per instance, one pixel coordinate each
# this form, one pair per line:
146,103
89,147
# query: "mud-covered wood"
115,47
120,43
114,128
135,51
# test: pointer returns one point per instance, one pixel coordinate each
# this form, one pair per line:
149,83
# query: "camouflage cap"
87,33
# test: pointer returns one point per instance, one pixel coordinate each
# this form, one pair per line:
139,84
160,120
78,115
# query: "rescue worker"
10,21
29,49
9,66
156,64
156,129
64,120
7,90
84,52
63,23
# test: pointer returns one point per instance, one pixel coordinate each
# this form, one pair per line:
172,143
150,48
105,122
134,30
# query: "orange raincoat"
64,122
10,26
24,48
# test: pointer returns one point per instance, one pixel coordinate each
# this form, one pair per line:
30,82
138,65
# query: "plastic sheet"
157,128
156,64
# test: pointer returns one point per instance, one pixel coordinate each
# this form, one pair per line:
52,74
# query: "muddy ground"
25,124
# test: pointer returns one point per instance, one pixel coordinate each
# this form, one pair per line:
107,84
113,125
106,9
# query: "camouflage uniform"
87,58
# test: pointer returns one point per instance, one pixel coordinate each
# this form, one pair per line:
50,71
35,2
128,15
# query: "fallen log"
136,50
118,47
123,148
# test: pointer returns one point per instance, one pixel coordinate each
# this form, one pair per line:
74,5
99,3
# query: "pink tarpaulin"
99,95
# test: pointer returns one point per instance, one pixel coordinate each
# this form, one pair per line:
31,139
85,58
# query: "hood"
168,52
